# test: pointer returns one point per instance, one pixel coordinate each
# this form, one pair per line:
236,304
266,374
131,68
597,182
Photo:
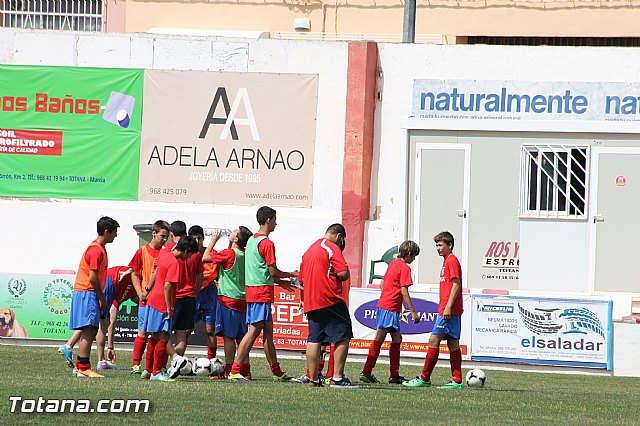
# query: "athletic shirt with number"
94,259
450,269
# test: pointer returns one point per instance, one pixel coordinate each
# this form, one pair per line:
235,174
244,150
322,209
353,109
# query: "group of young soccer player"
179,283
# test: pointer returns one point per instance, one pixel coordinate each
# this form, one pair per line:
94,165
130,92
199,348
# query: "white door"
615,219
440,204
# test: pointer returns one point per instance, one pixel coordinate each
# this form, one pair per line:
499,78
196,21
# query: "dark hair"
196,230
159,225
444,236
265,213
408,248
187,244
336,229
244,234
179,228
105,223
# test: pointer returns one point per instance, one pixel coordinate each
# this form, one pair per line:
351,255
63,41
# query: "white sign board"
564,332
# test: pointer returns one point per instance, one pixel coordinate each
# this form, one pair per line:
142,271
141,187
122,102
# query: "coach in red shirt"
322,272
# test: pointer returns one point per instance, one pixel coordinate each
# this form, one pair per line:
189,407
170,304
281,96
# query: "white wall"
64,227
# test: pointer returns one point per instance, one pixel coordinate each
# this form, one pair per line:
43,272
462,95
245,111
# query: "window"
70,15
554,181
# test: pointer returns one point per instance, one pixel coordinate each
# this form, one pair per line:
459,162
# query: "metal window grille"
69,15
554,181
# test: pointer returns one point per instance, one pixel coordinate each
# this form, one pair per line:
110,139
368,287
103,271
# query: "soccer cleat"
89,373
451,385
68,354
177,363
368,378
283,378
397,380
104,365
303,379
238,378
417,383
145,375
135,369
316,384
343,383
161,377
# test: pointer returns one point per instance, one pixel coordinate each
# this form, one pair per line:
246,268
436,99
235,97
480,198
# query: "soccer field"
509,398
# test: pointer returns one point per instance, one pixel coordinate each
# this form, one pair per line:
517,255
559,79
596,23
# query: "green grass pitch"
509,398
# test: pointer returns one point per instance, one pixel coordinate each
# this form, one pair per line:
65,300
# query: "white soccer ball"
202,367
476,378
217,367
187,368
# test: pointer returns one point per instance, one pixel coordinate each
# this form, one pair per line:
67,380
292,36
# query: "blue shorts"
387,319
230,323
85,310
142,317
110,294
448,328
258,312
332,324
206,304
156,321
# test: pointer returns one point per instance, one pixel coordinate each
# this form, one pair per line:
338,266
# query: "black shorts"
184,314
332,324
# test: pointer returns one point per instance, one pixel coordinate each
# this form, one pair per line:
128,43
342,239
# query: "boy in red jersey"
261,274
230,320
88,302
161,304
182,321
395,289
448,322
142,264
322,272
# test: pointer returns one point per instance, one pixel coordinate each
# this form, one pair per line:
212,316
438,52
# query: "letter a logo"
230,121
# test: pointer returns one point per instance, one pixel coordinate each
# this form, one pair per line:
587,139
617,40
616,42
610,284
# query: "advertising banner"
70,132
35,306
228,138
565,332
526,100
415,337
290,325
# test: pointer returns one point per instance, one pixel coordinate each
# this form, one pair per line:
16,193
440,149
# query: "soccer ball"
187,368
217,367
476,378
202,367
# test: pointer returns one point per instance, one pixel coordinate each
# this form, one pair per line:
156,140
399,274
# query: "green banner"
69,132
33,305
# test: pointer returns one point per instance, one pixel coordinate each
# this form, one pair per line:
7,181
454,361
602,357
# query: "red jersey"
190,269
265,293
318,272
450,269
123,288
168,270
398,275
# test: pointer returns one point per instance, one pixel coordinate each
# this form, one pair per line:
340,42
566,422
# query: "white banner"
565,332
415,337
526,100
